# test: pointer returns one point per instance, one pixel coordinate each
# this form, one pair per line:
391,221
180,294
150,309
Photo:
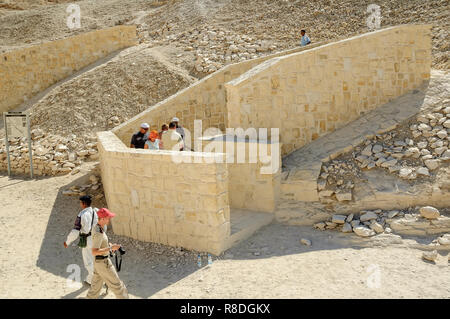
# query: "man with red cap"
104,271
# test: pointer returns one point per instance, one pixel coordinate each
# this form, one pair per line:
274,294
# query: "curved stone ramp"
302,167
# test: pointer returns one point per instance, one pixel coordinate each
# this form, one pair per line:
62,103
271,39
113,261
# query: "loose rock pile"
216,47
413,151
371,222
65,121
52,155
92,187
228,25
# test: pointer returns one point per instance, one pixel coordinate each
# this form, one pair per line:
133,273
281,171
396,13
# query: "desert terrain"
181,42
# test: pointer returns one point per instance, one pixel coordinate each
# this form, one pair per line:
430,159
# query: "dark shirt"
139,139
180,131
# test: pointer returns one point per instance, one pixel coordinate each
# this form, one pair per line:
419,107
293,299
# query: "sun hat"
175,119
104,212
145,125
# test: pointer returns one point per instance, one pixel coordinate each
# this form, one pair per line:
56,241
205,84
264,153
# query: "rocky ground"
182,41
279,261
414,151
223,31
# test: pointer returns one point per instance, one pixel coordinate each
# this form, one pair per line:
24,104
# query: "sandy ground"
35,218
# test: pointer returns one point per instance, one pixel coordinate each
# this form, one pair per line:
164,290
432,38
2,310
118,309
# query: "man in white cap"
180,129
138,140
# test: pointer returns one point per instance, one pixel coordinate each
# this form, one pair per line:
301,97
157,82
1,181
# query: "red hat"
104,212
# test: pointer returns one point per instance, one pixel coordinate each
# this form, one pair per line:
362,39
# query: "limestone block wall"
254,183
310,93
158,200
204,100
28,71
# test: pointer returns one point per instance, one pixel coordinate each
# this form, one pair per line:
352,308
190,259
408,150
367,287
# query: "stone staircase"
302,167
300,203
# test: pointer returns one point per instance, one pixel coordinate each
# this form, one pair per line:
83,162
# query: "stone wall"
28,71
308,94
254,183
159,200
204,100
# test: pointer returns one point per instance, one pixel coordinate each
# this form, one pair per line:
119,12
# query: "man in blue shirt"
305,39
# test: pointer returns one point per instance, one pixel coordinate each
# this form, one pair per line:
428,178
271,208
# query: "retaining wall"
310,93
254,171
159,200
28,71
204,100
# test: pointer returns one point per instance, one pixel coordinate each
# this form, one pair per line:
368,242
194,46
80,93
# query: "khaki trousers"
104,272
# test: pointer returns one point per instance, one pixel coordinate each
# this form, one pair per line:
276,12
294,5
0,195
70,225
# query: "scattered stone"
389,163
424,127
429,212
377,148
368,216
440,150
330,225
338,219
442,134
422,144
347,228
320,226
305,242
423,171
405,172
70,193
446,123
349,218
444,240
377,227
355,223
392,214
432,164
326,193
363,231
430,255
367,151
321,184
344,196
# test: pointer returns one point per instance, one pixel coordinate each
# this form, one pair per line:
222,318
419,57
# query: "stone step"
245,223
302,167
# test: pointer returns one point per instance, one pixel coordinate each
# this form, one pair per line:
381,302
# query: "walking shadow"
76,293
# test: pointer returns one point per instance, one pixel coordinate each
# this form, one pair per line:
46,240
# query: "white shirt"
86,220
